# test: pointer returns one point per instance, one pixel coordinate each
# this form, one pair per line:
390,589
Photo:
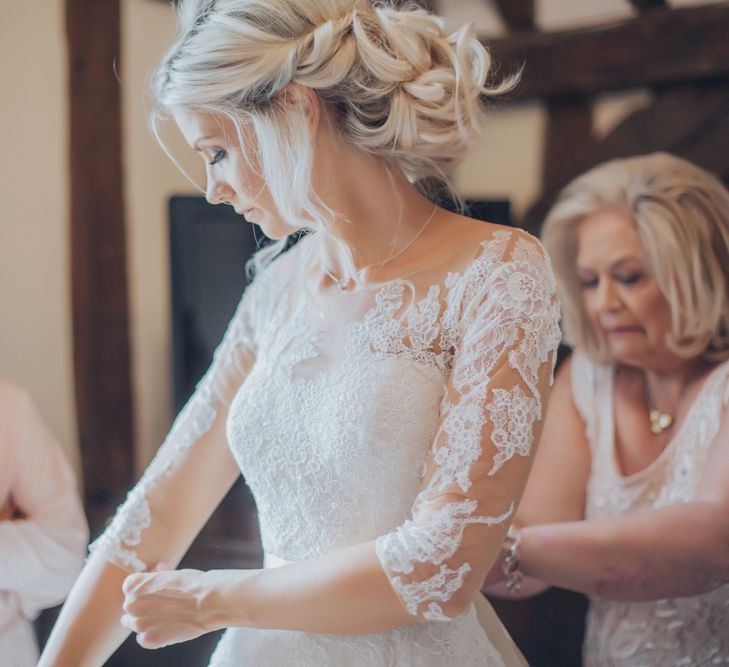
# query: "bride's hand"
169,606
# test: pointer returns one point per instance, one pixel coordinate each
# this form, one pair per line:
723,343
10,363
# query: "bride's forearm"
342,593
88,631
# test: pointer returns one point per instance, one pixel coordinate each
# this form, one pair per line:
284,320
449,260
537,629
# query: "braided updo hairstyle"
395,85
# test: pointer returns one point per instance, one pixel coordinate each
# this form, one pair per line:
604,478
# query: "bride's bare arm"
88,630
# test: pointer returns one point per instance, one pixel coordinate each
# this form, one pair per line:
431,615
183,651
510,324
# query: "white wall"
35,303
148,27
507,161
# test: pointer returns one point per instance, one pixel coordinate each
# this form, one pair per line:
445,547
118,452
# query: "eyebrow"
196,143
615,265
626,260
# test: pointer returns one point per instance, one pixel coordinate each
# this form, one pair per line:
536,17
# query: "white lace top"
403,415
679,632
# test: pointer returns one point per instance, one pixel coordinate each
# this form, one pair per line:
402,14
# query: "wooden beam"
98,255
644,5
656,48
688,121
517,14
569,125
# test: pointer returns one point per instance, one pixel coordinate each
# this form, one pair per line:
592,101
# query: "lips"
623,330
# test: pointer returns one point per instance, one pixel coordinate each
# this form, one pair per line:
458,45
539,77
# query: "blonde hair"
681,213
395,85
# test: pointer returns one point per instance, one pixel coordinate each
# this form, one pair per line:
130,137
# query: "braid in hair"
395,84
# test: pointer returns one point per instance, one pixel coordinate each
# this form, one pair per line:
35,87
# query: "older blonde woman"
629,497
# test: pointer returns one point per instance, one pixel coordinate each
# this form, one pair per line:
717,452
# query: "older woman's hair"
394,84
681,213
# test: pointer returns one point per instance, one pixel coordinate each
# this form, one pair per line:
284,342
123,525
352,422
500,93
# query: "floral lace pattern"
507,332
119,541
687,631
134,517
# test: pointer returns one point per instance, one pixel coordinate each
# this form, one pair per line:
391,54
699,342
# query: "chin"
274,228
630,355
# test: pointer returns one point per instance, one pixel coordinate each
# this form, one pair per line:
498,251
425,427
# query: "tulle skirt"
475,639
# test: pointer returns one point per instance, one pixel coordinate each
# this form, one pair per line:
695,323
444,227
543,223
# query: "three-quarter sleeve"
41,553
193,468
505,350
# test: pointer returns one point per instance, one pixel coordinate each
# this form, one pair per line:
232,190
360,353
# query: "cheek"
590,307
653,309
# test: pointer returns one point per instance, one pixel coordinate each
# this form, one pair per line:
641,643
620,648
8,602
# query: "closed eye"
630,279
218,155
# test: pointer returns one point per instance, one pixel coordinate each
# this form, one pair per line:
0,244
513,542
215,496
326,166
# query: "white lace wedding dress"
402,415
677,632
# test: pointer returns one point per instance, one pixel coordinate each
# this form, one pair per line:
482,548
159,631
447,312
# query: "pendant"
660,421
342,284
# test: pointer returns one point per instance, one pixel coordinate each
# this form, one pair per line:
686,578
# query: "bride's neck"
378,211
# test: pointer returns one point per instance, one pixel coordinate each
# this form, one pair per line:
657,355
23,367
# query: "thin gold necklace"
343,283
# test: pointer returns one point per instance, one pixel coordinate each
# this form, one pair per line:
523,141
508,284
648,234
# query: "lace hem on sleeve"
133,517
120,541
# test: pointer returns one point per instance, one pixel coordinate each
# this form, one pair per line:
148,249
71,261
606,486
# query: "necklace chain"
342,283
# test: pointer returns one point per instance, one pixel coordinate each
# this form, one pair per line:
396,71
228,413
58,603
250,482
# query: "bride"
380,386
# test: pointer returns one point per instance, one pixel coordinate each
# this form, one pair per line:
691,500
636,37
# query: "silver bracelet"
511,565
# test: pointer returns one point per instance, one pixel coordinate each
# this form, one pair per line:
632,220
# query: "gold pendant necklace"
660,421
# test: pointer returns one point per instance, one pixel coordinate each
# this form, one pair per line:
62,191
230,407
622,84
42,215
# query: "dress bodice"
670,632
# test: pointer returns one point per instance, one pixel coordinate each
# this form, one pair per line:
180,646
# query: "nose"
607,299
217,191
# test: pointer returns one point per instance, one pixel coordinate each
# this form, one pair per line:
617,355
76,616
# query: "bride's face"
621,297
233,172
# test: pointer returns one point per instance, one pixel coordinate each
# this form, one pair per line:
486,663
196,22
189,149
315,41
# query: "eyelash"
218,155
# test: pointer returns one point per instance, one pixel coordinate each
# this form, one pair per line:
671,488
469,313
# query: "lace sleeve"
193,468
481,456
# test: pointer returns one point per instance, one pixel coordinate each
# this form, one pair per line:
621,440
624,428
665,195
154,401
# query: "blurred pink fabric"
41,551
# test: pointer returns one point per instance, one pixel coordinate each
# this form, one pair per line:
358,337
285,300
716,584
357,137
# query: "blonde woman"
381,384
629,498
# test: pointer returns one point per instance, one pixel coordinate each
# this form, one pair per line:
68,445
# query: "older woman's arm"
556,488
677,550
673,551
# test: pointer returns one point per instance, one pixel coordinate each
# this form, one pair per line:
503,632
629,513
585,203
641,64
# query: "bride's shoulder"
481,241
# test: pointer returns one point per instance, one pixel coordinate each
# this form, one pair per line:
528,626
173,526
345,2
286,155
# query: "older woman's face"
622,300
